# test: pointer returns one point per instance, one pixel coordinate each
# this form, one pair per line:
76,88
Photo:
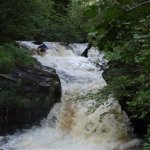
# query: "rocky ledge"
26,96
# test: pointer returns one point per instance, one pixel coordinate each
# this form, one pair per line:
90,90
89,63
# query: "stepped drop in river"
71,125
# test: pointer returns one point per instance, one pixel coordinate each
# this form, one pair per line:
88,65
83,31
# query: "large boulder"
26,96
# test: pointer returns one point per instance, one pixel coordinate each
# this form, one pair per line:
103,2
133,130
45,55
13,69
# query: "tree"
16,20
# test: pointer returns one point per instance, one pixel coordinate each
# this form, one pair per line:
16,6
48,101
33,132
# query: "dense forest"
120,28
38,20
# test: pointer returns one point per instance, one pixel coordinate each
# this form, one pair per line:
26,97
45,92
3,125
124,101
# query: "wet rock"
26,96
85,53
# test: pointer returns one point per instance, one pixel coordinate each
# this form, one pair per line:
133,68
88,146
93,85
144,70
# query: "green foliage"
67,27
16,19
41,20
11,55
139,106
147,143
6,64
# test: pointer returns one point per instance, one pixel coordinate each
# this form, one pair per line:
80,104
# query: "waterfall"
70,124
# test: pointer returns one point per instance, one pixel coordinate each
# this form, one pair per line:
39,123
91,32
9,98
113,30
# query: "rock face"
26,96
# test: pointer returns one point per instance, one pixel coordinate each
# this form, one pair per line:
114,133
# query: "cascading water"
70,125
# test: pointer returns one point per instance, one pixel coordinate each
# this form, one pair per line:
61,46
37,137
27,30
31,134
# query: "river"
71,125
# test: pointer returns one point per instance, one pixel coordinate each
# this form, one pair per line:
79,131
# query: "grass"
10,55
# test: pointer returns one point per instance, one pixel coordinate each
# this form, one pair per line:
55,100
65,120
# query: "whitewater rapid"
70,125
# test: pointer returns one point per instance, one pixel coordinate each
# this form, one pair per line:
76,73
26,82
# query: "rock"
26,96
85,53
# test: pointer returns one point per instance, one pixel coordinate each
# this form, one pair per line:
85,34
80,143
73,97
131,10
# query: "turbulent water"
70,125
